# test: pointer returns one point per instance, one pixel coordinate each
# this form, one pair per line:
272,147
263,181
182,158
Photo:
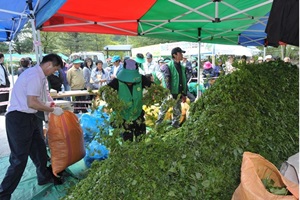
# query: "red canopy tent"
106,17
209,21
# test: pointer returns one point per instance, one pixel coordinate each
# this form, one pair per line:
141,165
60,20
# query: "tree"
141,41
23,43
4,47
49,42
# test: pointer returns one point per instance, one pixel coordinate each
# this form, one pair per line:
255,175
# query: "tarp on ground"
28,189
218,22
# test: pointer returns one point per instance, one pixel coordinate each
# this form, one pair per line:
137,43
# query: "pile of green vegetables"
270,186
256,109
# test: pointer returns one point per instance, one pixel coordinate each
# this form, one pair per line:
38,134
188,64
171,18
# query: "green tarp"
28,189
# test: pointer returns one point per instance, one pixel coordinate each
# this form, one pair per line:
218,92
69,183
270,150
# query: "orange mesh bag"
65,140
254,168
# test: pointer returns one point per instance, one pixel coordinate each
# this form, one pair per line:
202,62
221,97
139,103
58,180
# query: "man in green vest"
177,86
129,84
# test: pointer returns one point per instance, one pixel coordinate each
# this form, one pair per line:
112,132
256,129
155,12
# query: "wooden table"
78,105
73,93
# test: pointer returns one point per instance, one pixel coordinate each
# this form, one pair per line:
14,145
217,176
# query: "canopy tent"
16,13
219,22
255,35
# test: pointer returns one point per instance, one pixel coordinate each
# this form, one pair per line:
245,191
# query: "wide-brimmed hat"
207,65
76,61
130,73
115,58
140,58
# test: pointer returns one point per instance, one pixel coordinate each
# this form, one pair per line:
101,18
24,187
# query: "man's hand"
58,111
50,104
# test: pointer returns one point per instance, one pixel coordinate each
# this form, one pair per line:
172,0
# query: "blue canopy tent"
16,13
254,35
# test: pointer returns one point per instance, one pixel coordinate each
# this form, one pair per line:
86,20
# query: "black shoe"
56,180
45,182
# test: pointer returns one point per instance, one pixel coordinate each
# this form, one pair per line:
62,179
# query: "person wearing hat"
129,84
116,67
229,68
268,58
156,77
150,66
208,73
260,59
177,86
164,69
140,60
99,76
76,81
219,68
287,60
28,96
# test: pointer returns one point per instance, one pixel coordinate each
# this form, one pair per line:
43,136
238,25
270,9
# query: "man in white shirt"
116,60
150,66
28,96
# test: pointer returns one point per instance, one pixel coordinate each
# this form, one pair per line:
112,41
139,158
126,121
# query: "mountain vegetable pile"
256,109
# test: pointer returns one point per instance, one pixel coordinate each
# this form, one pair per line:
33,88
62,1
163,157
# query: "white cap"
260,58
268,57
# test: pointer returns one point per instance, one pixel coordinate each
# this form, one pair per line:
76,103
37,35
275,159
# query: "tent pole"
199,63
198,70
40,51
34,32
11,66
213,57
35,42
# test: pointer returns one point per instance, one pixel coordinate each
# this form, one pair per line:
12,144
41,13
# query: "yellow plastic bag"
254,168
65,140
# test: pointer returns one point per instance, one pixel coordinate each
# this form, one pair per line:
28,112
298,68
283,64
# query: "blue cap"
76,61
115,58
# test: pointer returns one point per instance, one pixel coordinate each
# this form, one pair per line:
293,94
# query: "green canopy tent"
216,21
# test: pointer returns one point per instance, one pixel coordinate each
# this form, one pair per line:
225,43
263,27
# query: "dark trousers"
40,119
24,140
134,128
3,97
